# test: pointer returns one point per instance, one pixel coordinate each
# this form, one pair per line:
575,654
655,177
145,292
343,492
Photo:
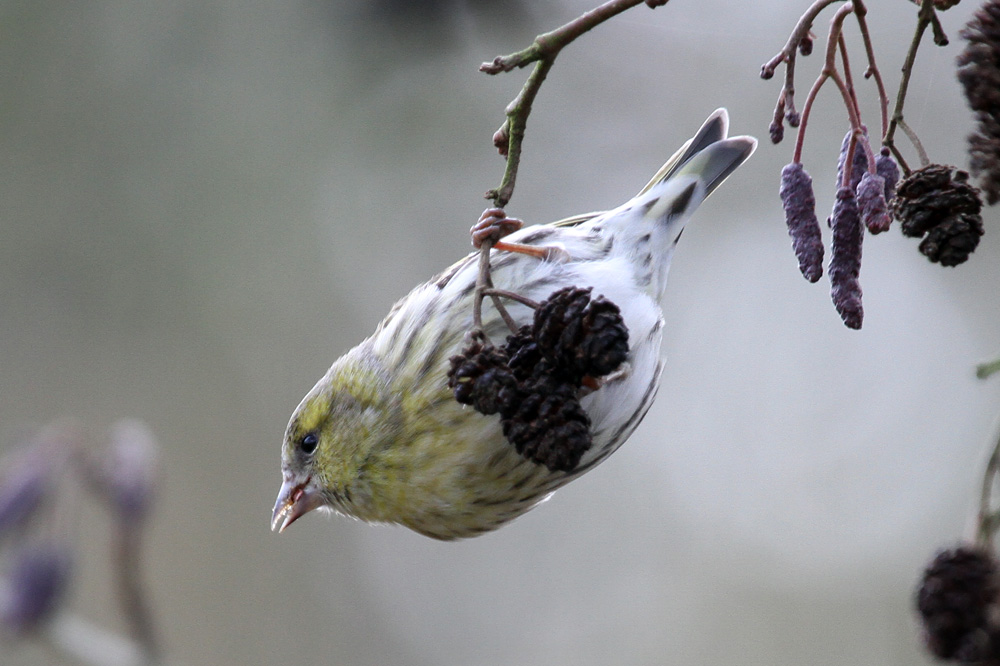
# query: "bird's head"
333,436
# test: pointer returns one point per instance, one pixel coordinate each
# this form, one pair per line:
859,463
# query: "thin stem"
502,310
829,72
848,78
836,26
925,16
984,370
806,110
988,519
133,600
484,287
543,52
523,300
915,140
482,282
799,32
860,11
517,120
784,108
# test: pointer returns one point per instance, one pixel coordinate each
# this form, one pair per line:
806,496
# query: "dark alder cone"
479,375
799,202
950,243
887,168
523,352
940,5
604,343
871,200
979,73
558,322
547,425
579,335
845,262
935,199
984,156
534,379
954,600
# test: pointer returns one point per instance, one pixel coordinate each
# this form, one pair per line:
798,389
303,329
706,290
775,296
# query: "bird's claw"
494,224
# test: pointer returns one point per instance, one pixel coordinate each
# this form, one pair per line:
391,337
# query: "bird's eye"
308,442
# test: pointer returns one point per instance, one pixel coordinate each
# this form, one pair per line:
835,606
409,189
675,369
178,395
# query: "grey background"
204,203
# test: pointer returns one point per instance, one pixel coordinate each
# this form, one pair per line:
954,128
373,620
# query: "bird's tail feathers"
715,128
694,171
708,153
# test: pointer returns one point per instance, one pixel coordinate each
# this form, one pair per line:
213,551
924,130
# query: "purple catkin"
845,262
22,491
131,469
860,159
871,201
886,167
35,586
800,215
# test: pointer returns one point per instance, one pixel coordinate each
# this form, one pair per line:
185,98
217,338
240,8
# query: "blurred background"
205,203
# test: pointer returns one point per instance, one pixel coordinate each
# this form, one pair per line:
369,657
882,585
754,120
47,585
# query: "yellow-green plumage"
381,437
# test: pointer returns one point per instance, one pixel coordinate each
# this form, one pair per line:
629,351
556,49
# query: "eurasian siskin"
381,437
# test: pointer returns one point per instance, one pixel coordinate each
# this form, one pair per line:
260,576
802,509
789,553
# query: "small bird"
382,438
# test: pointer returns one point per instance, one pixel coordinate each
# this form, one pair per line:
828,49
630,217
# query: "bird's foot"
590,384
494,224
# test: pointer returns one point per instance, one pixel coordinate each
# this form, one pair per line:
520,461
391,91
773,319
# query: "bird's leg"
494,224
590,384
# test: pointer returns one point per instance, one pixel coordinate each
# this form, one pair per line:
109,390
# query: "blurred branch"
542,53
123,478
136,609
984,370
988,519
86,643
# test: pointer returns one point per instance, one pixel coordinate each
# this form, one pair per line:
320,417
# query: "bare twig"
523,300
136,609
483,282
984,370
542,52
829,71
915,140
926,16
784,108
861,12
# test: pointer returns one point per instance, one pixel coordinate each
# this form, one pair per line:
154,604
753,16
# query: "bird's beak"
295,499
